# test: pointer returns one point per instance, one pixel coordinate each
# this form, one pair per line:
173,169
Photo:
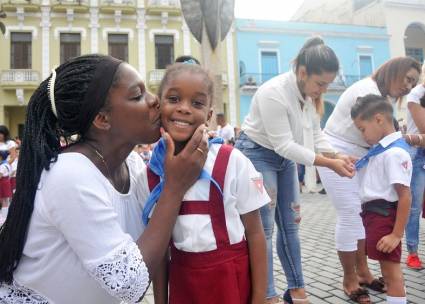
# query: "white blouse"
340,125
80,246
276,121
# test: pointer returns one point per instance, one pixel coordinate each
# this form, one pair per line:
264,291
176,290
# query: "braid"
40,147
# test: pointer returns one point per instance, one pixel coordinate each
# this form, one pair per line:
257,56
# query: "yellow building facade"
149,34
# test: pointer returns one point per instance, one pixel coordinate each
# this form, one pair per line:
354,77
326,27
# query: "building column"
231,78
141,29
94,26
186,39
2,116
45,39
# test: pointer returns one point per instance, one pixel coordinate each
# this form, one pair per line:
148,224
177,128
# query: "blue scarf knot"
378,149
156,164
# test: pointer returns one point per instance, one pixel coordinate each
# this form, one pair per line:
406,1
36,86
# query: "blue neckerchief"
378,149
156,164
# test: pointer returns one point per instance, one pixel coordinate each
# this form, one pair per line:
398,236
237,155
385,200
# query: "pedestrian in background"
282,129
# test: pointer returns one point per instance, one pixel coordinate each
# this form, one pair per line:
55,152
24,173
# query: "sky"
266,9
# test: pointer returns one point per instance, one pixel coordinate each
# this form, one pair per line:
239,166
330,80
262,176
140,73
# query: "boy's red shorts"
377,226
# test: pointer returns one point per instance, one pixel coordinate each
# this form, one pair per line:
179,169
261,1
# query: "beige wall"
11,113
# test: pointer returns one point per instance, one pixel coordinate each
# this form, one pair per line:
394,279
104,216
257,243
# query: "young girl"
5,187
218,251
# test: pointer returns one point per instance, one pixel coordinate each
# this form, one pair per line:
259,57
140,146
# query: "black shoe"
323,191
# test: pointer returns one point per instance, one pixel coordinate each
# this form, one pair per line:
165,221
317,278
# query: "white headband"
51,91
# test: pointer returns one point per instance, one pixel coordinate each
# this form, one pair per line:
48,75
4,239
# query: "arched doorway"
414,41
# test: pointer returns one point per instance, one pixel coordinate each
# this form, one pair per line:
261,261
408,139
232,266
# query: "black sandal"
360,296
376,285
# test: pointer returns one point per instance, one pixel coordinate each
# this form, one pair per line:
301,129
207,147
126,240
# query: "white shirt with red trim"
393,166
243,192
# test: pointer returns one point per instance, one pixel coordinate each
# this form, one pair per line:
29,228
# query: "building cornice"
408,4
313,33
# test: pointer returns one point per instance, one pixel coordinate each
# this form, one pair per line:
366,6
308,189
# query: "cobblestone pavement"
321,267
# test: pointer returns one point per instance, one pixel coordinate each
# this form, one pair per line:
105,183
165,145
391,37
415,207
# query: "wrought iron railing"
257,79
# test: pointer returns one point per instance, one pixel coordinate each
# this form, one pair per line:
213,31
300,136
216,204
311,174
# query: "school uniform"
209,253
5,186
379,199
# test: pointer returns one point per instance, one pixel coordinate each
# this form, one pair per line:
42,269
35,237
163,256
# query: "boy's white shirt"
393,166
243,192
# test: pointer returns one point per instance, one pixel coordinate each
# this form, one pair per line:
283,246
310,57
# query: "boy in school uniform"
385,173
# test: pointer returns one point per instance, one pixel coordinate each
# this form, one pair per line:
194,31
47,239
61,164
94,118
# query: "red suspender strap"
218,219
194,207
153,179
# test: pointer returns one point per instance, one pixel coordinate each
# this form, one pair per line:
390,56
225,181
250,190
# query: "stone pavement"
322,271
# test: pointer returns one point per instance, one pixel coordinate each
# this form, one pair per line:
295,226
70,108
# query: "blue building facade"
267,48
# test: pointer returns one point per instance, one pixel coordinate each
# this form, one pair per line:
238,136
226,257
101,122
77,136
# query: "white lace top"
80,246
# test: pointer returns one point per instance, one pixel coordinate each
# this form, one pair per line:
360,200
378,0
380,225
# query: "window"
269,65
70,46
118,46
164,51
365,63
20,51
416,53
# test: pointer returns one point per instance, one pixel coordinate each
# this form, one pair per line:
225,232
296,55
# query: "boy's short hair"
368,106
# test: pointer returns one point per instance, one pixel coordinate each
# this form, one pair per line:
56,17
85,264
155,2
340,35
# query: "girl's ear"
101,121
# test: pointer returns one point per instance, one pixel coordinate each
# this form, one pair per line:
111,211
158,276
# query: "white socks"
396,300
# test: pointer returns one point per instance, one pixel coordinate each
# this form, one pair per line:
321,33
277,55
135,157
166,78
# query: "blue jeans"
281,182
417,187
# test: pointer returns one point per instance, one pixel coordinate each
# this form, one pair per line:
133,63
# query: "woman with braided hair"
73,233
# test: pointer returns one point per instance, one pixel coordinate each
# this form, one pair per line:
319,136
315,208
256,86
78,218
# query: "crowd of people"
117,188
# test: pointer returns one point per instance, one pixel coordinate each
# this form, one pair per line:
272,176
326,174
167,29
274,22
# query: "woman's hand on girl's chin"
182,170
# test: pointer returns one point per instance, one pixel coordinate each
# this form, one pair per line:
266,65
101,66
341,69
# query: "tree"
209,21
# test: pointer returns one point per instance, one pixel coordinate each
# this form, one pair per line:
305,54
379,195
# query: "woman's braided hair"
40,148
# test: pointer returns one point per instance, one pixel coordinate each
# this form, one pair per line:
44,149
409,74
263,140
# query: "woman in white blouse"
74,229
282,129
393,79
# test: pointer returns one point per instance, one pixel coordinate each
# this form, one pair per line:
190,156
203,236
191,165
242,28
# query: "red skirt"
219,276
5,188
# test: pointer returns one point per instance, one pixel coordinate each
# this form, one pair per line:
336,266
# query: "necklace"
102,159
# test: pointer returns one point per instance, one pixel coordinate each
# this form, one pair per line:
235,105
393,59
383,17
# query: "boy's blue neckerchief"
378,149
156,164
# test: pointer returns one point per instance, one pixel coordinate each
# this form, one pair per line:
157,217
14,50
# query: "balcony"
12,79
249,82
28,5
157,7
79,6
110,6
154,78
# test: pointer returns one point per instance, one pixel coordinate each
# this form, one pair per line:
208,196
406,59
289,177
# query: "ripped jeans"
281,182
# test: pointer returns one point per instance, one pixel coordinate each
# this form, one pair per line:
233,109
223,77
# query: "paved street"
322,270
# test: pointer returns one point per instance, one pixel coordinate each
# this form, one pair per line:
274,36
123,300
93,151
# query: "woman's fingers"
169,144
195,141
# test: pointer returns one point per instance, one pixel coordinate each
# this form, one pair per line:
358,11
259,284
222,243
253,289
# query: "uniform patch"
258,182
405,164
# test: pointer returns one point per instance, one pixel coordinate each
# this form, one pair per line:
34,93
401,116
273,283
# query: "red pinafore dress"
5,186
218,276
